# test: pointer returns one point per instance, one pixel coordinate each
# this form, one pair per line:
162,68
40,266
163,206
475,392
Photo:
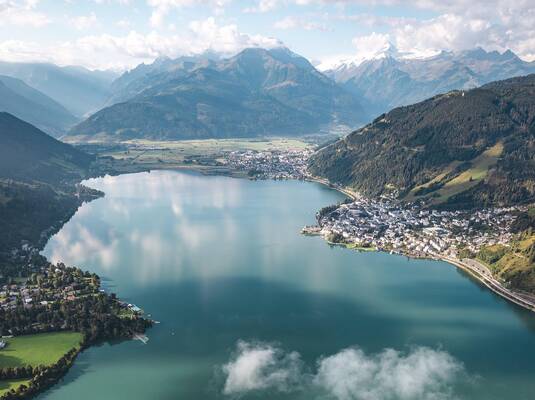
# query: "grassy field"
205,155
143,151
6,386
512,263
463,181
41,349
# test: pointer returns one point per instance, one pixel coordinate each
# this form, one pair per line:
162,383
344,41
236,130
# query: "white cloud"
457,25
422,374
110,51
261,366
419,374
162,7
21,13
84,22
123,23
292,23
262,6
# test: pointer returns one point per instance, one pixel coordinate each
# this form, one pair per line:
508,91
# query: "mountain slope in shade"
79,90
390,80
28,154
257,92
455,150
33,106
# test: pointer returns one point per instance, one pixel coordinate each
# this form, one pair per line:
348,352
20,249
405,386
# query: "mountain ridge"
33,106
257,92
456,149
387,82
76,88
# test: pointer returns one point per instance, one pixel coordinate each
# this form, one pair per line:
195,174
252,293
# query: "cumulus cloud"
119,51
261,366
419,374
492,27
455,25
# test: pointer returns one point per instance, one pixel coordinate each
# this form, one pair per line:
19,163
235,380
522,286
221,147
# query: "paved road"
485,276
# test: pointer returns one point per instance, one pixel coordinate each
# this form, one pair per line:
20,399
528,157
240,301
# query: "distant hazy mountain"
79,90
458,149
28,154
33,106
256,92
389,80
161,70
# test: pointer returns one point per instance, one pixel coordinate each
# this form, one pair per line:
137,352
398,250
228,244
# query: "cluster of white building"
412,230
271,164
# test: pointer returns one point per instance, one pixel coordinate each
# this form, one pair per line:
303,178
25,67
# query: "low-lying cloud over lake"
421,373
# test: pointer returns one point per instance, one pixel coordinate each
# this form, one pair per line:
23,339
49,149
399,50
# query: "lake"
250,308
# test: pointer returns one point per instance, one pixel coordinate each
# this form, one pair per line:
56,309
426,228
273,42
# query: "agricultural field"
205,155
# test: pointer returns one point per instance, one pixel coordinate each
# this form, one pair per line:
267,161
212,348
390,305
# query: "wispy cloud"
83,22
22,13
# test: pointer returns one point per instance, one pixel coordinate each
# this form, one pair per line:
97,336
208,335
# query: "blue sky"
123,33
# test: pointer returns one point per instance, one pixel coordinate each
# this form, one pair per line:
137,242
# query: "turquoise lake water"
251,309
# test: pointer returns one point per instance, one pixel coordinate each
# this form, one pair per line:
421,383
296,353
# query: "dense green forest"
457,150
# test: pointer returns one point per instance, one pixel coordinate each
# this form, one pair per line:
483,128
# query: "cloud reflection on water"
162,227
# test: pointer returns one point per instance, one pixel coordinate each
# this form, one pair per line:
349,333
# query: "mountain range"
29,104
77,89
390,79
257,92
459,149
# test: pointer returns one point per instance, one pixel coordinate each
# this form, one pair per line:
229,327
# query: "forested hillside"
38,189
458,149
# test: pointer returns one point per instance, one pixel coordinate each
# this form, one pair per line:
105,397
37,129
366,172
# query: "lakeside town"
409,229
386,224
270,164
50,285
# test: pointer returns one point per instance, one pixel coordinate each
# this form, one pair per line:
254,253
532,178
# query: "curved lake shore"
220,260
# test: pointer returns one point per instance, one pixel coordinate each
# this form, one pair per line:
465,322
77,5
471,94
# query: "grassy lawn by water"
44,348
6,386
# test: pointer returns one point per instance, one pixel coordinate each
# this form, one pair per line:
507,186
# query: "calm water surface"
220,260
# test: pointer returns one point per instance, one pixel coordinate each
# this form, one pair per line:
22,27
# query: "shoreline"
491,283
54,373
348,192
488,281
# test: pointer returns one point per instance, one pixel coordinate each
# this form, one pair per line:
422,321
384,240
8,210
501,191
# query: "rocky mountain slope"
389,79
257,92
